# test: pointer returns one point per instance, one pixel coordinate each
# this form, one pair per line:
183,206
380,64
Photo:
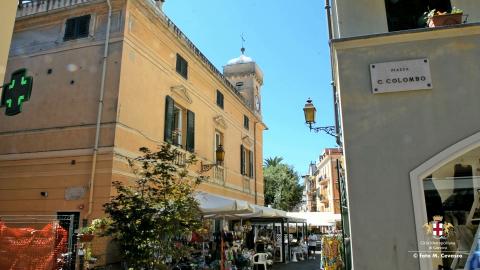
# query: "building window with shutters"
219,99
77,27
179,125
182,66
246,162
246,122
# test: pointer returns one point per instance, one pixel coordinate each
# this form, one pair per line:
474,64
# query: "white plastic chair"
260,258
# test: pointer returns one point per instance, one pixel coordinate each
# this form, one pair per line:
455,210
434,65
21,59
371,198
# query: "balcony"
218,175
27,8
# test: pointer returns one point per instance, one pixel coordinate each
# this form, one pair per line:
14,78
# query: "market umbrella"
217,206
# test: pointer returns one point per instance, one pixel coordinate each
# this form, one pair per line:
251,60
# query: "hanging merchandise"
332,252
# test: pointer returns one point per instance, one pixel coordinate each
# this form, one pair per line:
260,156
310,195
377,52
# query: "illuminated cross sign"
16,92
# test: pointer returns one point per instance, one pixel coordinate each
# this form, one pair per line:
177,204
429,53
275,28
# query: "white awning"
317,218
217,205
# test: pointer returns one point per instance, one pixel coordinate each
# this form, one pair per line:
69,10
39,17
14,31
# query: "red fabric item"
30,249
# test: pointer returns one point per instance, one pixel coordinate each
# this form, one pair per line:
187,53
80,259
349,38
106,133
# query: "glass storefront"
453,212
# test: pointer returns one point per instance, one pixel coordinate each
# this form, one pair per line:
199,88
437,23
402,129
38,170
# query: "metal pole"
340,190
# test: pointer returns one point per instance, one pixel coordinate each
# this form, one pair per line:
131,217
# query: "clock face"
257,103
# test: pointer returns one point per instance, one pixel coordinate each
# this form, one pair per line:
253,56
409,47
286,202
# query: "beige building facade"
7,13
110,77
321,183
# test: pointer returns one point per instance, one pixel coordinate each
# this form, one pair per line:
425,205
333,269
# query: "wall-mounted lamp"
44,194
219,157
309,110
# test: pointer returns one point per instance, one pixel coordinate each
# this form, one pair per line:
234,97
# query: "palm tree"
272,161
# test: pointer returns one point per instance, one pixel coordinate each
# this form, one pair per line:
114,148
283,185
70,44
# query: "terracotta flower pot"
86,237
445,19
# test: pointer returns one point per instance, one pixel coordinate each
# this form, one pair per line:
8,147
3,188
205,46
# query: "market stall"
241,231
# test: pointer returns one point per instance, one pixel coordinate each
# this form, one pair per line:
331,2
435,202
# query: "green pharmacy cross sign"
16,92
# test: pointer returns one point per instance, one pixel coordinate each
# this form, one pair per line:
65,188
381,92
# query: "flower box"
445,19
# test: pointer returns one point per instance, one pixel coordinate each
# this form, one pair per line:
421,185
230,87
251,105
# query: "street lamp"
219,157
309,110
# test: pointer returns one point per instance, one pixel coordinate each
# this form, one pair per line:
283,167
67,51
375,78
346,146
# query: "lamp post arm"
330,130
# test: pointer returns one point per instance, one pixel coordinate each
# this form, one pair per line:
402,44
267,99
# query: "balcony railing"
26,8
218,175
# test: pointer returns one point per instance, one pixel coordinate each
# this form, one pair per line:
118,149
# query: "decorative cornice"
220,121
247,140
182,92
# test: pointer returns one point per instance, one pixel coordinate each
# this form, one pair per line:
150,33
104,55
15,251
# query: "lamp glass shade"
309,110
220,154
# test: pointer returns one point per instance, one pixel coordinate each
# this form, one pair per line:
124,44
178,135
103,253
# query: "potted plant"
86,234
89,258
436,18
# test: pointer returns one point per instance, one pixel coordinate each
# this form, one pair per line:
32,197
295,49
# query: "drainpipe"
255,156
334,87
99,113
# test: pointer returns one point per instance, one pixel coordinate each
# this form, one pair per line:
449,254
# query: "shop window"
77,27
453,210
182,66
179,125
408,14
219,99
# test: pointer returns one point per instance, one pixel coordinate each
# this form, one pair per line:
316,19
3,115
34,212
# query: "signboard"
401,76
15,93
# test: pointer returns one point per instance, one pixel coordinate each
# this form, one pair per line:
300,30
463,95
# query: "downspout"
255,156
99,113
334,87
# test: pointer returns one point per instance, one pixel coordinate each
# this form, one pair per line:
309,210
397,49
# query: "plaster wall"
388,135
48,146
7,13
367,17
357,18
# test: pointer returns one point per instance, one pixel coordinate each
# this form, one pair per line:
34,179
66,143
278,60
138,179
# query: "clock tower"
247,77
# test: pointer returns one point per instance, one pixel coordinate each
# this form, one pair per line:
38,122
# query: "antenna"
243,41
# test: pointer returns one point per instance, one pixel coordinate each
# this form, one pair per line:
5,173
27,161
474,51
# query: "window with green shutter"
219,99
182,66
190,145
242,160
250,164
77,27
179,125
246,122
169,121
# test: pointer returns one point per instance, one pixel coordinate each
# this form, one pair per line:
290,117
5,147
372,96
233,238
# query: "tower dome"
242,59
247,77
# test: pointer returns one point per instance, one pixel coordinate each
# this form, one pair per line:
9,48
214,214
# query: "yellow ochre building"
110,77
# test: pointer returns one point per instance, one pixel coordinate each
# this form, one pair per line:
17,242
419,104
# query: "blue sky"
289,41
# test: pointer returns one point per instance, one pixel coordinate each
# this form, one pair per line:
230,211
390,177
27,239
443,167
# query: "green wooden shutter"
242,160
190,131
250,164
168,130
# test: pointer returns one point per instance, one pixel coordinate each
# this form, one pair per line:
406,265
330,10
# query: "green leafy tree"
272,161
282,188
147,219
